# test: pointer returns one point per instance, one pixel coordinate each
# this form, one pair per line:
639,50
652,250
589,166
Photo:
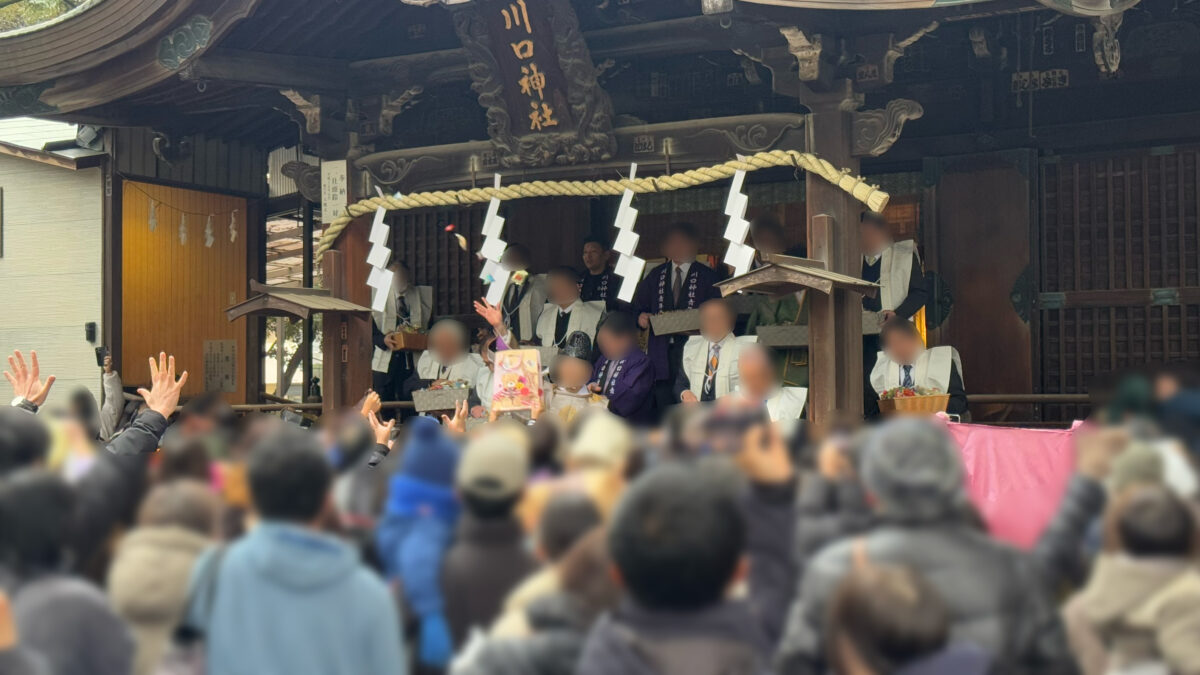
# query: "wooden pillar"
835,342
306,340
255,230
346,371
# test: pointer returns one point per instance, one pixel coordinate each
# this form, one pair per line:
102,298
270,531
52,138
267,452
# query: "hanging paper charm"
152,220
493,272
738,255
183,229
233,226
208,232
629,266
380,277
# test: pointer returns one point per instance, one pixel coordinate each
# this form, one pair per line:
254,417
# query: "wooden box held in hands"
678,321
407,341
430,400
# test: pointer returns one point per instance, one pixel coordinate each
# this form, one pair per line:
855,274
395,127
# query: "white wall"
50,272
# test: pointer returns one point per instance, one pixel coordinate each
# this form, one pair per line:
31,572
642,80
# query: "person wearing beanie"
415,533
994,595
489,557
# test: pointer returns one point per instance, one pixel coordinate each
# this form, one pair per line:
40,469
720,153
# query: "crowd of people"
192,540
663,509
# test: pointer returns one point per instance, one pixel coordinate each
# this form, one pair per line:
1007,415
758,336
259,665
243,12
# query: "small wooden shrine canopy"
784,274
300,303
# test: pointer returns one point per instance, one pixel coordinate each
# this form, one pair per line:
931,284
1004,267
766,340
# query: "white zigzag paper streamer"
183,229
380,278
493,273
629,266
233,226
152,221
738,255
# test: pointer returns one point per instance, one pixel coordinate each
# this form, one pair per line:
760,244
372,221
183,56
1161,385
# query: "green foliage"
16,14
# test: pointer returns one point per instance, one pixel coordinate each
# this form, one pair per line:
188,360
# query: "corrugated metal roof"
32,133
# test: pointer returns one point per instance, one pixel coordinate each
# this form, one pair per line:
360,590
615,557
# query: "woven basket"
411,342
914,405
678,321
782,336
429,400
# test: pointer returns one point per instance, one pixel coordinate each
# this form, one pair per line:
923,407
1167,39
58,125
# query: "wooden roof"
288,301
784,274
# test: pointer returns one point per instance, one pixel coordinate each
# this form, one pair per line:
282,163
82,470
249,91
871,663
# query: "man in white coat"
566,313
448,359
905,362
709,369
758,384
408,307
523,299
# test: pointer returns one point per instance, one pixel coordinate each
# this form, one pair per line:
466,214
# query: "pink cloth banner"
1015,477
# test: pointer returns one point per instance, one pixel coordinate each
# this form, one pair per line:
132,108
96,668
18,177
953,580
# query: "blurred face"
445,345
756,373
903,349
402,280
715,321
595,258
612,345
562,289
873,238
514,260
1166,386
766,240
573,373
679,248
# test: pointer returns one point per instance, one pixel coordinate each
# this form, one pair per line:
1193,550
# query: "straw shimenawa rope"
872,196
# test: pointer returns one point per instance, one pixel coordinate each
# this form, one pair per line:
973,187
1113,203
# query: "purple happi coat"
654,296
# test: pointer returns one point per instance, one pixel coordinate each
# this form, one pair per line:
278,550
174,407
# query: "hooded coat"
1137,611
291,600
148,586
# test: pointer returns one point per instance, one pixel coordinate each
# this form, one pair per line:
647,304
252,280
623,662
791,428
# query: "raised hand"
383,432
371,403
459,422
490,313
163,395
25,380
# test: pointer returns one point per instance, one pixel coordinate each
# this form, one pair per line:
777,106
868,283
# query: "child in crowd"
416,530
488,558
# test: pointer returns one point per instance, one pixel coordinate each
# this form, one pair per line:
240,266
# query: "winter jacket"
825,512
735,636
558,627
1059,551
953,660
1136,611
488,559
148,586
23,661
994,595
292,600
720,640
69,623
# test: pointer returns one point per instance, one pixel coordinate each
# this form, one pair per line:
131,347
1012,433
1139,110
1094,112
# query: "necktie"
709,391
402,315
906,380
604,380
560,327
677,284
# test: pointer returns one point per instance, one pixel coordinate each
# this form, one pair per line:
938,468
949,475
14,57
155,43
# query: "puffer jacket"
994,595
148,586
1134,611
558,627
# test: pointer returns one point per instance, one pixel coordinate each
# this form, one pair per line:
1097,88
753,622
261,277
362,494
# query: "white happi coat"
529,310
585,316
420,306
895,271
931,370
465,368
695,361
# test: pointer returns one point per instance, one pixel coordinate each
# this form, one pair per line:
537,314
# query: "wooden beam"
275,71
51,158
